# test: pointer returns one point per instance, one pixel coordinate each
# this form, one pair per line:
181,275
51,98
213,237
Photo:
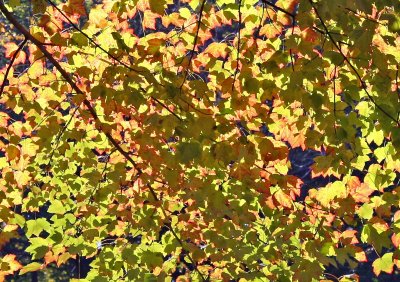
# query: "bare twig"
397,88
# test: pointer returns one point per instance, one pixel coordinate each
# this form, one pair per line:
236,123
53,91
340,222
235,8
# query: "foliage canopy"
153,136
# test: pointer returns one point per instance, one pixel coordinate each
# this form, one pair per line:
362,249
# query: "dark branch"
196,37
238,46
353,68
269,3
67,78
14,57
108,54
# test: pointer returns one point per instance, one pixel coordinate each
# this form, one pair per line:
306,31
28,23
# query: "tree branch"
269,3
67,78
194,42
108,54
93,113
14,57
353,68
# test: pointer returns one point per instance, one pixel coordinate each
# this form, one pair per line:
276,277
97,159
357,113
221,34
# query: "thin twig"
346,59
196,37
397,89
238,46
278,8
93,113
334,97
108,53
14,57
89,38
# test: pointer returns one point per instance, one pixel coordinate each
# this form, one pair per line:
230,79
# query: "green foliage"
153,138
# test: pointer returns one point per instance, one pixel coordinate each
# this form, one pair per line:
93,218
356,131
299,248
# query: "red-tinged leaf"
217,50
310,35
49,257
204,35
10,49
353,182
383,264
9,265
362,193
396,239
143,5
271,30
379,224
75,7
283,199
149,19
396,216
349,237
297,140
283,18
360,255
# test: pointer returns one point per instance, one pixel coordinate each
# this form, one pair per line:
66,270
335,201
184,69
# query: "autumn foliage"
153,138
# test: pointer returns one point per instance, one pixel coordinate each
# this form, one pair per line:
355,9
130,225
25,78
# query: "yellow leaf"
22,178
217,50
34,266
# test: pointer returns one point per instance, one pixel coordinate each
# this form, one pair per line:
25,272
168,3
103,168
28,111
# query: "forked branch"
352,67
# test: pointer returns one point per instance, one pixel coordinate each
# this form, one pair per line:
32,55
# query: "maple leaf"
75,7
149,19
217,50
163,156
9,266
10,49
384,263
271,30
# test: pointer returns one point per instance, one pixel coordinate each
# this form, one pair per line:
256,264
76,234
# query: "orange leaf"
271,30
11,48
149,19
75,7
217,50
361,256
283,199
9,265
396,240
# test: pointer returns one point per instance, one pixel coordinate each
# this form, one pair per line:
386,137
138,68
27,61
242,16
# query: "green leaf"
327,194
365,211
56,207
34,266
158,6
189,151
384,263
35,227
